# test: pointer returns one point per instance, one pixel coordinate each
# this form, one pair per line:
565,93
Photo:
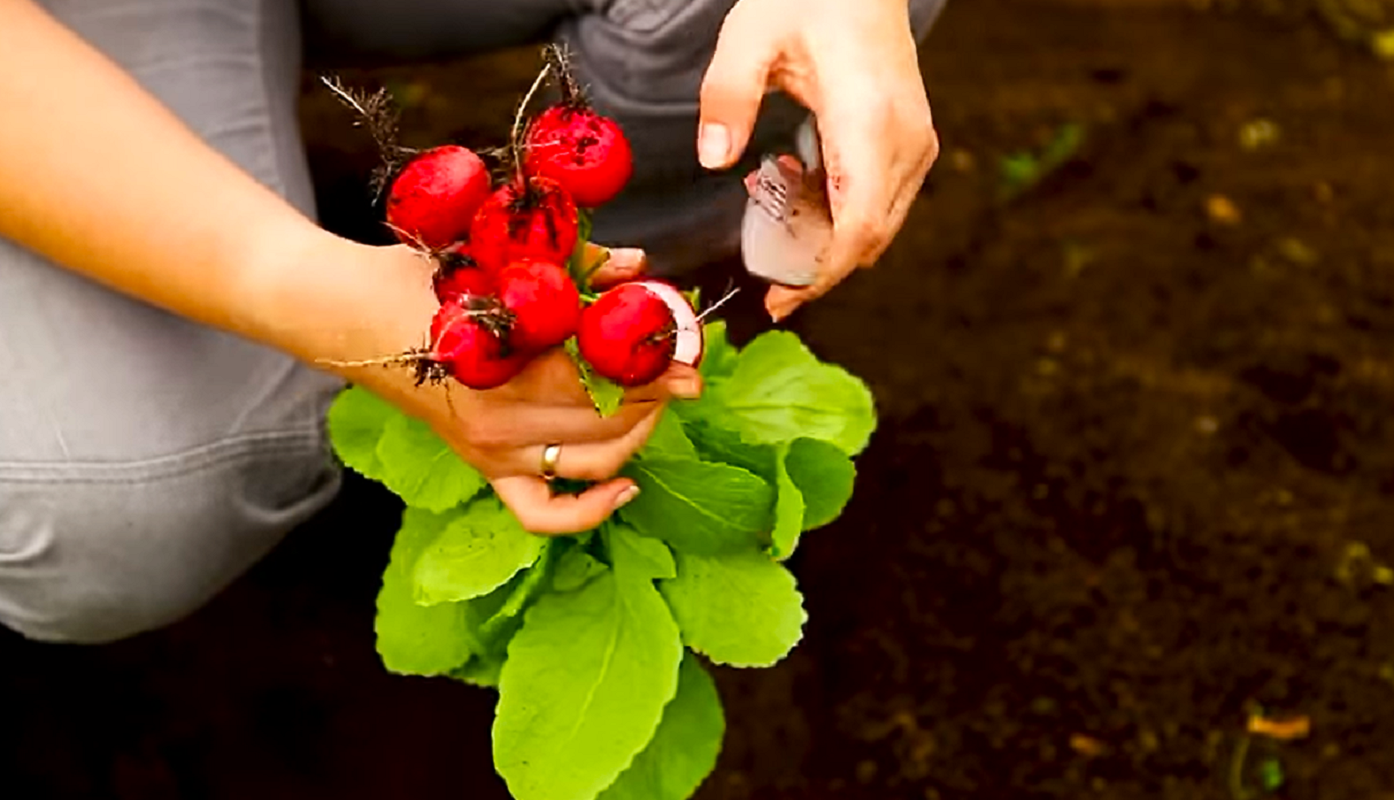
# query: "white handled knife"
787,223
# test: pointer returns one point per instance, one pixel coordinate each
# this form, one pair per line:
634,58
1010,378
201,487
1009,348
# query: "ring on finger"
550,455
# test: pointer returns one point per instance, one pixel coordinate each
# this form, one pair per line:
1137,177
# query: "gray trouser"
146,462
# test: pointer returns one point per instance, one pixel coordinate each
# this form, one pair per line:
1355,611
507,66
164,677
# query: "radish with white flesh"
632,332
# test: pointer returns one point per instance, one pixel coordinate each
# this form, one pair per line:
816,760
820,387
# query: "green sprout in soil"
1022,171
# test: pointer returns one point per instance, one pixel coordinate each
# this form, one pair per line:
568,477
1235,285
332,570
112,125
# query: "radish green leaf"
740,609
477,551
586,680
356,423
779,392
684,749
699,506
422,469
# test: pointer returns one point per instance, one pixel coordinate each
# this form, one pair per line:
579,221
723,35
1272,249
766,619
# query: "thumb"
539,511
617,265
732,90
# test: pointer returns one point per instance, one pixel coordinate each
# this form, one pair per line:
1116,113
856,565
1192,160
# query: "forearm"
99,177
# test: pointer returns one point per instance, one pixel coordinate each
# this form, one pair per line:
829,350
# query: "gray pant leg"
145,462
403,30
642,61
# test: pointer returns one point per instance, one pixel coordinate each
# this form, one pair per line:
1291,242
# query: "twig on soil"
1287,729
1236,770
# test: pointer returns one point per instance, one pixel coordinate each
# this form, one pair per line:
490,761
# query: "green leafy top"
584,636
605,394
779,392
379,442
473,554
587,678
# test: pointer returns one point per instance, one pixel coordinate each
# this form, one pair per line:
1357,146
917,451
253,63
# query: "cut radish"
635,330
687,347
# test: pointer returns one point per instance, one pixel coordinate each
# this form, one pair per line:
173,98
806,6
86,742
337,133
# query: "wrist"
327,299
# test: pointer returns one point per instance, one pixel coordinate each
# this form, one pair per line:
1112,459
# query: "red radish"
531,218
544,303
458,274
633,331
437,193
585,152
467,345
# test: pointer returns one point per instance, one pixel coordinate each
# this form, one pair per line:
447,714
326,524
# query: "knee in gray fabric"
101,554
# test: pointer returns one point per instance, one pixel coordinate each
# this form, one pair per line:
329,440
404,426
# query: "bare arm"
100,177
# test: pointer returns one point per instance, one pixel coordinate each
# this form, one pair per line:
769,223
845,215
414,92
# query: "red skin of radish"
458,275
627,335
462,281
585,152
437,193
538,221
545,304
469,351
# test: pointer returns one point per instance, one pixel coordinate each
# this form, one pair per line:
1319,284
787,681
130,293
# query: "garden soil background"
1134,482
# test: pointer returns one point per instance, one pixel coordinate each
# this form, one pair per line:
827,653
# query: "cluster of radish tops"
508,245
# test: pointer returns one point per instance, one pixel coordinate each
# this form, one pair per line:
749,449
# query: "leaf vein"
720,520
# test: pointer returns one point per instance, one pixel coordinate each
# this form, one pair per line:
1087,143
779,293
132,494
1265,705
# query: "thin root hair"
378,113
731,292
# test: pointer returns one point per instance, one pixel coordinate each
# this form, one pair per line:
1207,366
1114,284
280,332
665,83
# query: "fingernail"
684,389
625,496
628,257
713,145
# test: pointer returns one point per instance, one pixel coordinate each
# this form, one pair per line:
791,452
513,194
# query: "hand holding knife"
788,223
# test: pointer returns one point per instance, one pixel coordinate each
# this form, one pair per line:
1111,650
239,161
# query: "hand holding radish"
855,66
531,329
501,431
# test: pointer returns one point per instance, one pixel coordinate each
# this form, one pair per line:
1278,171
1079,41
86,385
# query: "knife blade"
787,222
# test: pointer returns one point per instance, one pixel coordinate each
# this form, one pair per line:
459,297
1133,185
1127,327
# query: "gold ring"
550,454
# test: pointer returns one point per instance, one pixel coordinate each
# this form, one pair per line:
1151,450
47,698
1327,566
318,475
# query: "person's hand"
243,260
855,66
503,432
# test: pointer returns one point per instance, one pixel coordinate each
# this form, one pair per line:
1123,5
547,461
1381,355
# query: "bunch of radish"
506,245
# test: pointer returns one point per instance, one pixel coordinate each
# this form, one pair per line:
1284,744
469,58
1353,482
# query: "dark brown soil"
1134,481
